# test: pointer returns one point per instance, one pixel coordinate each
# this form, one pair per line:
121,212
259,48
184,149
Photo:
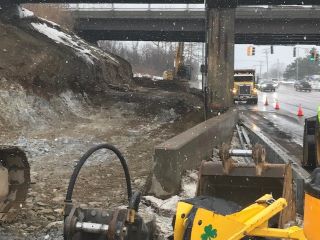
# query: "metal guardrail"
136,7
194,11
173,7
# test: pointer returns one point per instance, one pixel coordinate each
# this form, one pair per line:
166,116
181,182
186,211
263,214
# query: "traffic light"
271,49
294,52
251,51
313,55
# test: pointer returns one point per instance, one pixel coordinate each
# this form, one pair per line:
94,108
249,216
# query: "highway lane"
284,121
283,126
289,100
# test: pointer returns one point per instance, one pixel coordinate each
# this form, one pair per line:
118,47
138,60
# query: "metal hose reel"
100,224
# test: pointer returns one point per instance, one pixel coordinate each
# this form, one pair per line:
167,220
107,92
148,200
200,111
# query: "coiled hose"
84,158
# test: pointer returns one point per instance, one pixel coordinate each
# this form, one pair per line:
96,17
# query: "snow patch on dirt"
21,109
25,13
164,210
63,38
80,47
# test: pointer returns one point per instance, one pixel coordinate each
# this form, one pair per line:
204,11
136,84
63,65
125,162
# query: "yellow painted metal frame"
251,221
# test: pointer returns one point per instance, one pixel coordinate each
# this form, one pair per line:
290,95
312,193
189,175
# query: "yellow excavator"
181,71
14,181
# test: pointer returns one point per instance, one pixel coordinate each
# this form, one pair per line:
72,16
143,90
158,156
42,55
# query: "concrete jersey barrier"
186,151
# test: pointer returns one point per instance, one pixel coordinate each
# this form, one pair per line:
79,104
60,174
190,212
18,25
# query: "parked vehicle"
302,86
267,86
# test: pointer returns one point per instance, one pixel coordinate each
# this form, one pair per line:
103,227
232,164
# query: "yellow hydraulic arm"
251,221
179,59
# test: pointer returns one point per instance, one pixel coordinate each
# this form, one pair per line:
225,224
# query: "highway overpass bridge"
253,25
210,2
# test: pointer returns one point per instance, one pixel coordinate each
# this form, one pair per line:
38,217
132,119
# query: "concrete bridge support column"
220,37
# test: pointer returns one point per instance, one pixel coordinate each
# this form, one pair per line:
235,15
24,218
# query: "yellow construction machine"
311,142
194,221
199,218
14,181
181,71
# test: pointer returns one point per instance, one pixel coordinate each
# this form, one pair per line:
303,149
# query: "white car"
315,85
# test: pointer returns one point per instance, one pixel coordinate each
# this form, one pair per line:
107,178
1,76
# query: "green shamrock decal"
209,233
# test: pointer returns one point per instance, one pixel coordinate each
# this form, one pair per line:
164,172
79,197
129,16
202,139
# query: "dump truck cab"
244,88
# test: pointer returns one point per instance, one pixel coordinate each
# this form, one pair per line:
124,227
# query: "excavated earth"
59,96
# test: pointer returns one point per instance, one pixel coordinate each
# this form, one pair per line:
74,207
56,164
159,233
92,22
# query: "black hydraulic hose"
84,158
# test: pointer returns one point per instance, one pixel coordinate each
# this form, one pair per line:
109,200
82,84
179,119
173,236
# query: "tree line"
152,57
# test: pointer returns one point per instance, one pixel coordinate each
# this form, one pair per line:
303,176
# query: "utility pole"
278,71
260,72
266,52
297,67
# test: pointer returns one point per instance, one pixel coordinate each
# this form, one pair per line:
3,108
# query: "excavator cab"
184,72
181,71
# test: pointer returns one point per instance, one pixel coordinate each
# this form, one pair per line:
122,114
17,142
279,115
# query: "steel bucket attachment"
241,182
14,181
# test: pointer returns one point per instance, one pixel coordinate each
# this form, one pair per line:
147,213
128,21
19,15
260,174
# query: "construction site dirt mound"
48,60
44,68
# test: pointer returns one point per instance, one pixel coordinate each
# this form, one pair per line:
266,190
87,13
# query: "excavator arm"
179,59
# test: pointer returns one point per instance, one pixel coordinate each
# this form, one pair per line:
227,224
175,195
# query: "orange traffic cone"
277,107
266,103
300,111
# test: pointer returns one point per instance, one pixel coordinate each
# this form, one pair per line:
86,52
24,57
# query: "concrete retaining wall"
186,151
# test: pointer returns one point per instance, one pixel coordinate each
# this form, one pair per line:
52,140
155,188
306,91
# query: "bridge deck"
256,25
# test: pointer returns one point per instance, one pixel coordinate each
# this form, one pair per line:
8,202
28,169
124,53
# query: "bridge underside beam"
239,2
257,39
247,31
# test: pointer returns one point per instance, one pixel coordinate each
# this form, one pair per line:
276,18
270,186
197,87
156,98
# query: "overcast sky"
282,53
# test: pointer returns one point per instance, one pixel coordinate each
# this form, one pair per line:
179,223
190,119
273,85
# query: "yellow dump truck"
244,88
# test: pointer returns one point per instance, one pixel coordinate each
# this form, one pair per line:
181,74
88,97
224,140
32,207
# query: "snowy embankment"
55,33
48,74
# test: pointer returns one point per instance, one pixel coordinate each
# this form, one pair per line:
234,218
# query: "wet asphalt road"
283,126
285,119
289,100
